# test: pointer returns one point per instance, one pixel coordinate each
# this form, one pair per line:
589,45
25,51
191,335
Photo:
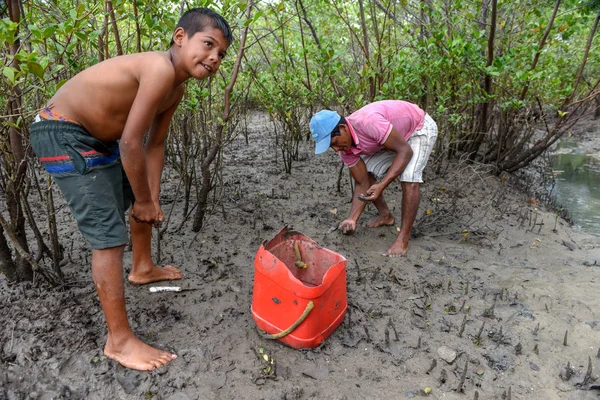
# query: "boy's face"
202,53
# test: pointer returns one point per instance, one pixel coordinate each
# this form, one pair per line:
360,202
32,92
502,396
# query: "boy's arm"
155,82
155,146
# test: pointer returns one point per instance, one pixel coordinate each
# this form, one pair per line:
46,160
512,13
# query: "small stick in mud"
566,337
509,393
414,288
500,335
546,305
536,350
519,349
391,324
367,333
480,332
569,371
467,289
387,336
537,328
432,366
463,376
396,279
598,355
359,275
588,374
476,395
462,326
299,263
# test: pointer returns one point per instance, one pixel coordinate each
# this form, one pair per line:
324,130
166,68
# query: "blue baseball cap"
321,125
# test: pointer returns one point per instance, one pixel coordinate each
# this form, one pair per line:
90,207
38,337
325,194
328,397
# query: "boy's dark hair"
196,19
336,131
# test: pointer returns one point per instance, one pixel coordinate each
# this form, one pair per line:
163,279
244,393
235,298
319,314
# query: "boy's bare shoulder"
151,62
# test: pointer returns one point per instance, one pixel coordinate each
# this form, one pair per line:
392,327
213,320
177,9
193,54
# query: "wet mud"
496,298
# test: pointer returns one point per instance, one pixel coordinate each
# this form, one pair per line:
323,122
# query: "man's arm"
361,178
155,83
396,143
155,146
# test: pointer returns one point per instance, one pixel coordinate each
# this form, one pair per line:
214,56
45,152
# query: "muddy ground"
496,299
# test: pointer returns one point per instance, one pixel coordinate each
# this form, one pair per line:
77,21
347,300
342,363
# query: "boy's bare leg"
384,216
143,269
410,203
121,344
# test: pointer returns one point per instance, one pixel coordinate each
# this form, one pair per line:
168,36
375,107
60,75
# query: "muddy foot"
138,355
154,274
398,249
381,220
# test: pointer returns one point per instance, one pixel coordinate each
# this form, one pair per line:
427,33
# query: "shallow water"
577,186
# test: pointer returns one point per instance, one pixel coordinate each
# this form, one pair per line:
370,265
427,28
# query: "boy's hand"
161,215
347,226
145,212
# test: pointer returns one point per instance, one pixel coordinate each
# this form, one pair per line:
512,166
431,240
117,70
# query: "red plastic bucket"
283,291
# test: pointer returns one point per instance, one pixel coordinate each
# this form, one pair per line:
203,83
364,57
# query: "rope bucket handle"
289,330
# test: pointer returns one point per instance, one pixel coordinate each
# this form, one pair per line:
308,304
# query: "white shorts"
421,142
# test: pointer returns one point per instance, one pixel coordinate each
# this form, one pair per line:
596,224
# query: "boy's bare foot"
140,276
135,354
398,249
381,220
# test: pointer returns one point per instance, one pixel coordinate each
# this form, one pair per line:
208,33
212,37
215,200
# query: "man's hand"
146,212
347,226
374,192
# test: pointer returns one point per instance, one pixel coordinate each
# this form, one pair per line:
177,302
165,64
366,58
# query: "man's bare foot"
139,276
381,220
398,249
135,354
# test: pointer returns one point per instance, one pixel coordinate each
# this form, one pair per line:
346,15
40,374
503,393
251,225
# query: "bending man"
379,142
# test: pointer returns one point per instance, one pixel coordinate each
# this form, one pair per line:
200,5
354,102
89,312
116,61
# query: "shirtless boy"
380,142
90,138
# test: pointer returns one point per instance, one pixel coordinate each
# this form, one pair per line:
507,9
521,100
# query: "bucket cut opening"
317,260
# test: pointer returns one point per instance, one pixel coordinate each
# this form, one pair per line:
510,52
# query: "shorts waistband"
47,114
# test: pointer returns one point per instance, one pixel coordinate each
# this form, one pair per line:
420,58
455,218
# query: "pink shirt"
371,125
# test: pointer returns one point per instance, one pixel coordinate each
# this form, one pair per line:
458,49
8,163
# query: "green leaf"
35,31
50,30
59,84
10,124
36,69
9,72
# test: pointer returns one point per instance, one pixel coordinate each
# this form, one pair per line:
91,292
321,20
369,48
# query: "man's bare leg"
384,216
121,345
143,269
410,203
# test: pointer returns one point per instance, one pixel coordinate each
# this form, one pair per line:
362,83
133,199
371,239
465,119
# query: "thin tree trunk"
138,34
113,21
16,163
487,84
219,127
368,66
540,47
586,53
